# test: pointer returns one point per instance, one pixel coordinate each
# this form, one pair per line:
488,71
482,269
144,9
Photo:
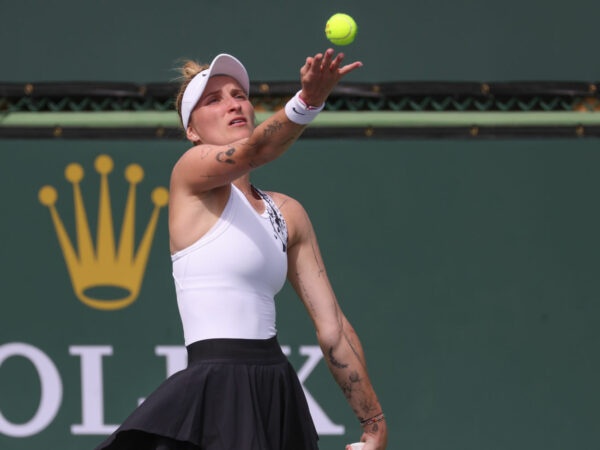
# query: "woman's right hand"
320,74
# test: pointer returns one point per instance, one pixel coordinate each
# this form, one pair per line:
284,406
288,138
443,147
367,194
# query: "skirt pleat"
235,394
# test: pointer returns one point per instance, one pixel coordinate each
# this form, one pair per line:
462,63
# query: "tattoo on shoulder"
335,362
226,156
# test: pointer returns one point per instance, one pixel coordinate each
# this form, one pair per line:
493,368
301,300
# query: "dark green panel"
415,40
468,268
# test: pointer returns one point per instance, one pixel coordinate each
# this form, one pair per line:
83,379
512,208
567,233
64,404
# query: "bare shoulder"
286,204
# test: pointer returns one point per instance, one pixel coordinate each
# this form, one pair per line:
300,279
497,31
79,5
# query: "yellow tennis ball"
341,29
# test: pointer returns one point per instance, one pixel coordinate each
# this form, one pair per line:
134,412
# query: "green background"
141,41
469,268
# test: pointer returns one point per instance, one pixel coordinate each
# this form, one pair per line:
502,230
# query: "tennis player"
233,246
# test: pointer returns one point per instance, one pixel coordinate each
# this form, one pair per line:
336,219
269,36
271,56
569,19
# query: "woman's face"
223,114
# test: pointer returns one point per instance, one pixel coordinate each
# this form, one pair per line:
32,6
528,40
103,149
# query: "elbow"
330,335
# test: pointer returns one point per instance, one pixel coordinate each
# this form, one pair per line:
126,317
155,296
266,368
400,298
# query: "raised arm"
337,338
207,166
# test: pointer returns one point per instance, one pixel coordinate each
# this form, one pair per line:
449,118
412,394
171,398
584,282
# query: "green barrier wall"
470,270
140,41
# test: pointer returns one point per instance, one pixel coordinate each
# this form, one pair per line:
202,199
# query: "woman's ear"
191,135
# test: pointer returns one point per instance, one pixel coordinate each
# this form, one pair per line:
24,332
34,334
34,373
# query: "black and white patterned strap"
277,220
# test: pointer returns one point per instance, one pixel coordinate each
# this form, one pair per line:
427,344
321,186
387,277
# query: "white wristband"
299,112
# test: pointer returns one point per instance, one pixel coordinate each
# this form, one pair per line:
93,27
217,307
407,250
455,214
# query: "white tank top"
226,281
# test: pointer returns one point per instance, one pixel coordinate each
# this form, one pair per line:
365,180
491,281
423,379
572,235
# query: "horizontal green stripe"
325,119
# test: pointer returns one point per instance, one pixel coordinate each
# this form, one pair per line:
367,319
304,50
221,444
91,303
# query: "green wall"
140,41
468,268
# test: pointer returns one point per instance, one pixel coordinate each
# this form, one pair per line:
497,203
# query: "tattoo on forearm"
354,349
346,390
226,157
272,128
335,362
347,386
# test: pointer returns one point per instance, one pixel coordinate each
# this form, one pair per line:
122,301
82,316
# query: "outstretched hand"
321,73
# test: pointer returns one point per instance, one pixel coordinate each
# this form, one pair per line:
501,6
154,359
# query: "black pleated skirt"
235,394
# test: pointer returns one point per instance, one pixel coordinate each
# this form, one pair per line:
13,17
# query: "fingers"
317,65
321,73
323,62
326,63
350,67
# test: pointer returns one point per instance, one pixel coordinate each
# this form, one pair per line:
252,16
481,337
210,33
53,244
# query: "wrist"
299,112
372,420
306,103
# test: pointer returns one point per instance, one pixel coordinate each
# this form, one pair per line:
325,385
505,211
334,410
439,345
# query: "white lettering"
323,423
175,355
92,387
51,393
92,390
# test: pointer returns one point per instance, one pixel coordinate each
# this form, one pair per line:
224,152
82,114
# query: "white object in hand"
357,445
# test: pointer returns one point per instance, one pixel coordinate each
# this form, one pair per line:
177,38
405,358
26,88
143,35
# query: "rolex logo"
109,274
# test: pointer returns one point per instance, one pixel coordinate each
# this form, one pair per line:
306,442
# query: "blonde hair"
188,70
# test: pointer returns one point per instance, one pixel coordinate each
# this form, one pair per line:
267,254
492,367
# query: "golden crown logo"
105,266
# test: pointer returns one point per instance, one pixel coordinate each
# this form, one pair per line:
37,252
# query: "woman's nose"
233,104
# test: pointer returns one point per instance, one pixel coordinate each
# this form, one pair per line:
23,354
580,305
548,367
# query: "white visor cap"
223,64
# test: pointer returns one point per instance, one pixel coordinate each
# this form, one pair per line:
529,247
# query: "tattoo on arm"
354,349
272,128
335,362
346,390
226,157
347,386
